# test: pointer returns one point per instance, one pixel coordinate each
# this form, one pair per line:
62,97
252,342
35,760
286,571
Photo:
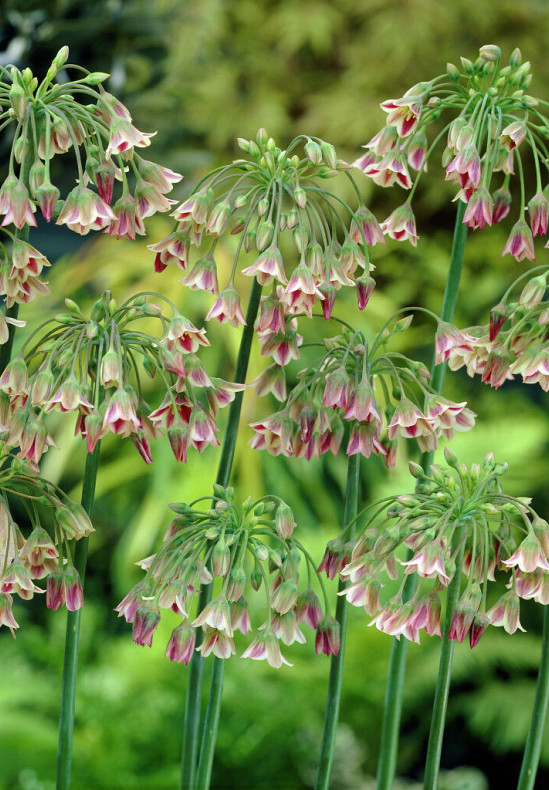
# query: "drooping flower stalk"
532,750
72,636
192,708
397,663
335,681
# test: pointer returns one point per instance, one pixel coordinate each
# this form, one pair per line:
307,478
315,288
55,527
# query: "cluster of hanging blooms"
89,366
379,394
48,119
458,521
37,521
513,343
493,122
239,550
271,196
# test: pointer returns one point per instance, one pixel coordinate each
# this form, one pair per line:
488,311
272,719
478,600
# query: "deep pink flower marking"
479,210
403,113
401,225
464,170
226,308
15,203
520,243
181,643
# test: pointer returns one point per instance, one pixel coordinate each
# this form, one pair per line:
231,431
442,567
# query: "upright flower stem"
532,749
209,734
440,704
397,664
70,662
331,714
194,689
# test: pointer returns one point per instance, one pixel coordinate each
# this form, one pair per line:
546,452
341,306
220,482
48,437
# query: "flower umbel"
450,501
268,196
249,549
490,123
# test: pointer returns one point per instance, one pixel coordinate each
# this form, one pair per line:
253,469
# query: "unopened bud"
490,53
415,470
284,521
264,235
300,197
468,66
451,458
516,58
221,558
37,175
329,154
534,291
61,58
313,151
73,307
96,78
18,101
263,207
20,149
256,577
253,149
261,136
98,310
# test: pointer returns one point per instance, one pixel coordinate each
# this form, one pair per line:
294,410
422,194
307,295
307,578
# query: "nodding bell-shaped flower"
181,644
256,535
433,522
472,158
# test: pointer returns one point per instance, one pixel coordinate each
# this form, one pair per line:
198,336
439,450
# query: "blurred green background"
202,73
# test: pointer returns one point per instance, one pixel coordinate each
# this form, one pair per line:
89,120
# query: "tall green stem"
440,704
70,663
194,688
532,749
397,664
331,714
209,734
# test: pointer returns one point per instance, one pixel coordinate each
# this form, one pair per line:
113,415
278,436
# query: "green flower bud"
490,53
314,152
329,154
261,136
96,78
18,101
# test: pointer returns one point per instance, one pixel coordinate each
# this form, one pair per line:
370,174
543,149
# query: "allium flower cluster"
239,550
36,548
47,120
492,123
89,366
20,268
361,391
455,512
514,342
272,195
